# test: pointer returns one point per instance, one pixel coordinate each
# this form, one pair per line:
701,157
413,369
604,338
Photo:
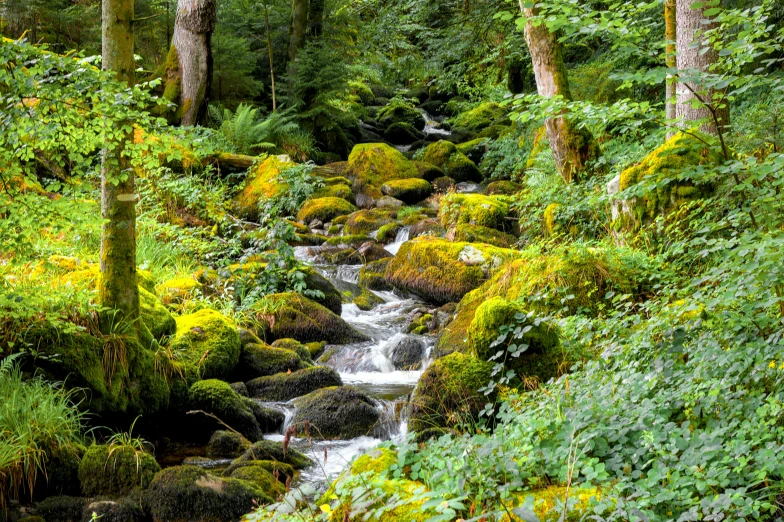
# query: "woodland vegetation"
559,224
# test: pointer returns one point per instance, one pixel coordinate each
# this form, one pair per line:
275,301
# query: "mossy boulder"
331,298
402,133
475,209
541,360
218,398
444,155
286,386
370,165
191,494
428,171
290,315
126,509
260,185
366,300
376,461
62,508
270,450
259,360
443,271
548,503
479,117
295,346
371,275
388,233
494,132
176,291
401,113
341,190
115,470
474,149
447,394
427,227
502,188
368,220
155,316
207,340
339,412
270,420
262,478
663,167
324,209
227,444
479,234
62,472
408,191
282,471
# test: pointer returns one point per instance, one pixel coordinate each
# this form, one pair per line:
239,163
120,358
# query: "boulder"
270,420
371,251
370,165
127,509
402,133
388,202
502,188
408,191
474,149
401,113
407,354
269,450
115,470
428,171
366,221
282,472
261,477
155,316
62,508
209,340
475,209
286,386
295,346
259,360
444,155
480,117
371,275
340,412
217,398
324,209
427,227
227,444
479,234
260,185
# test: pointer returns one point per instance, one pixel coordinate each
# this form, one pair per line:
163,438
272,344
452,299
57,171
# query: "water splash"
402,236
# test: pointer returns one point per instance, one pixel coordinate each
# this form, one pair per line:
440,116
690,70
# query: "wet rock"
402,133
270,420
340,412
389,202
62,508
240,388
124,510
227,444
443,184
316,224
427,227
217,398
258,360
372,275
286,386
372,251
270,450
408,354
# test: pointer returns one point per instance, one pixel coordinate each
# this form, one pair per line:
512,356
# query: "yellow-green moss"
324,209
262,477
444,155
370,165
208,340
479,234
551,226
177,290
401,113
502,188
376,461
367,300
365,221
259,186
479,117
548,503
475,209
155,316
336,191
408,191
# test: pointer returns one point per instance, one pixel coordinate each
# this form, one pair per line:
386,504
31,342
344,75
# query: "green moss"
402,133
664,165
443,271
155,316
479,117
349,240
475,209
365,221
336,191
502,188
474,149
281,471
295,346
444,155
185,493
217,397
388,232
367,300
290,315
396,494
447,396
227,444
479,234
370,165
401,113
409,191
371,275
177,290
269,450
376,461
324,209
339,412
209,341
62,508
259,360
428,171
115,470
285,386
548,503
261,477
260,185
494,132
315,349
550,225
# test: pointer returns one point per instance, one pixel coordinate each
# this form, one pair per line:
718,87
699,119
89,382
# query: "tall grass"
36,418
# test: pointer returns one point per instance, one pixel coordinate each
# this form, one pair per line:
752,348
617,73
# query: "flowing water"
432,126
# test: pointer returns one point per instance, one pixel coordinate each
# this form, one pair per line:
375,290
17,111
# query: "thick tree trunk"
696,57
573,148
189,63
299,27
670,34
118,288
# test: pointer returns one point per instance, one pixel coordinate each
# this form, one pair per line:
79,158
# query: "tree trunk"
189,62
572,147
315,18
692,57
271,62
299,27
670,34
118,288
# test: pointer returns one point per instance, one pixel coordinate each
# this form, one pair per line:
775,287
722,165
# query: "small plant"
247,133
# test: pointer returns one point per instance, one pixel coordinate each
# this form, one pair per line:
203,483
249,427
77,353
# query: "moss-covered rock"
401,113
290,315
387,233
209,341
408,191
227,444
217,397
494,132
502,188
155,316
115,470
62,508
407,354
342,191
402,133
262,478
447,396
444,155
366,300
340,412
428,171
259,360
663,166
370,165
126,509
443,271
260,185
474,149
479,117
175,291
191,494
427,227
549,503
295,346
371,275
376,461
281,471
366,221
269,450
479,234
331,299
62,472
286,386
475,209
270,420
350,240
324,209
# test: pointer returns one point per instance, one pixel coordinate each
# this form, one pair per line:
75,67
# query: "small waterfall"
389,422
431,125
401,237
347,273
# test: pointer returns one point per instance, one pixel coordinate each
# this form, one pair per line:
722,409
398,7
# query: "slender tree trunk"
315,18
696,58
670,34
299,27
271,62
572,147
118,285
189,62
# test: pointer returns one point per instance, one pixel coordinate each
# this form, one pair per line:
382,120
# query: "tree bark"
299,27
315,18
189,62
271,61
572,147
670,34
118,288
690,47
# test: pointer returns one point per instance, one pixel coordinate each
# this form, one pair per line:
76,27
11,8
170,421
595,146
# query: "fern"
248,133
